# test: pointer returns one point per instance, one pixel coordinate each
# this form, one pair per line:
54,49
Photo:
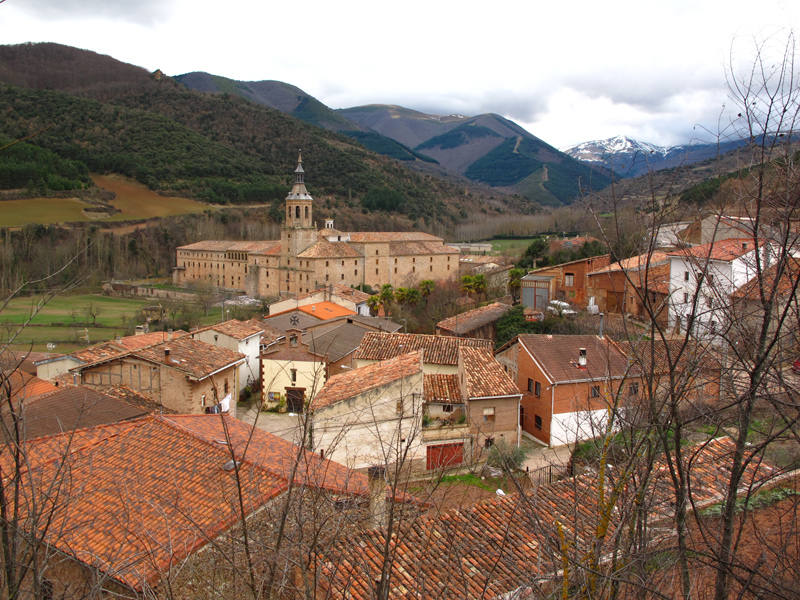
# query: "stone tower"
298,231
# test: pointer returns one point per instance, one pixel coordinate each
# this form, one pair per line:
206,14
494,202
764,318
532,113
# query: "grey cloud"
144,12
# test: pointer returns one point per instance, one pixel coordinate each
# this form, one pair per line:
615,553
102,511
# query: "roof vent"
581,357
231,465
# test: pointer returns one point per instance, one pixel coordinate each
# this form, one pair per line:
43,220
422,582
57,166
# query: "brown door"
444,455
295,399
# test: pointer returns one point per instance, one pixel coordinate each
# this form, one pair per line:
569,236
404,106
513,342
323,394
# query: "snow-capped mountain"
629,157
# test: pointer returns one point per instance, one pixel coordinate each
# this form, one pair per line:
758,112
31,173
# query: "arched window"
306,212
297,212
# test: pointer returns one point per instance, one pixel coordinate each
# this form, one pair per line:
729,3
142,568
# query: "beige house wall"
373,427
165,385
276,376
52,369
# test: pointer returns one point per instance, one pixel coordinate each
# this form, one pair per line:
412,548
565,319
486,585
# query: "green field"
511,247
65,320
134,201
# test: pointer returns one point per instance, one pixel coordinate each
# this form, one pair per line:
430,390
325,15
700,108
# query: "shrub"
508,457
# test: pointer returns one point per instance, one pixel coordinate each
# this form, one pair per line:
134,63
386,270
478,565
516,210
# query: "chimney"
169,334
377,496
166,354
581,357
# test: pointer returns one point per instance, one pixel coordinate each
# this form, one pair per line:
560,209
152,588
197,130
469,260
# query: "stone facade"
306,258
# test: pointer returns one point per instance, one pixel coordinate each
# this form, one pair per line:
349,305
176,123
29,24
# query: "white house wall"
568,428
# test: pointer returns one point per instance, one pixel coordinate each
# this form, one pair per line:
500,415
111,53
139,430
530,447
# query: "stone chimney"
377,496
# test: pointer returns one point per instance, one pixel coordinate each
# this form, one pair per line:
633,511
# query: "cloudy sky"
567,72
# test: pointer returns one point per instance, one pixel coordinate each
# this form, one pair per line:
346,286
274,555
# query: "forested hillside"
114,117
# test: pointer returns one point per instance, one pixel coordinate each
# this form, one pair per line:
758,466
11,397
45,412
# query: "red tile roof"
474,319
325,249
500,545
23,385
193,357
357,381
352,294
325,310
784,286
392,236
224,245
235,328
558,356
139,497
439,349
723,250
100,352
484,377
147,493
135,342
635,263
438,387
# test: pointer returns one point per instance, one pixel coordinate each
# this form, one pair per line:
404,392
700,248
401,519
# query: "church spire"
298,172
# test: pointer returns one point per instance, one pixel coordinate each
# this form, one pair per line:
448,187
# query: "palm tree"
374,303
401,295
426,286
479,284
386,297
515,283
468,284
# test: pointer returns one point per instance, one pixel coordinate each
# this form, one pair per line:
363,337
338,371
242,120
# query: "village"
323,450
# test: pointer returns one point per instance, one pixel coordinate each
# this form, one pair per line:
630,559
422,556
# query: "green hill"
114,117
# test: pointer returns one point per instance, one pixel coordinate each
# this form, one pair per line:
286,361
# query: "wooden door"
444,455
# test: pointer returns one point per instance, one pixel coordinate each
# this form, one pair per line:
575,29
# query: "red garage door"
445,455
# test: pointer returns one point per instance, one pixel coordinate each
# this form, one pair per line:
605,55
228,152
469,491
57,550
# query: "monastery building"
306,257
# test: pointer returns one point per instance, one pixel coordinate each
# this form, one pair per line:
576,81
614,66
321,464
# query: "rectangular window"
537,422
488,414
685,297
530,384
376,271
595,391
686,275
537,389
293,375
569,279
448,408
633,389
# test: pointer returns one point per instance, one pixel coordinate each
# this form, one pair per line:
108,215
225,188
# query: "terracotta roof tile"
414,248
352,294
558,355
474,319
635,263
483,376
225,245
723,250
135,342
499,545
153,490
237,329
392,236
357,381
439,349
99,352
439,387
196,358
325,310
325,249
783,286
24,385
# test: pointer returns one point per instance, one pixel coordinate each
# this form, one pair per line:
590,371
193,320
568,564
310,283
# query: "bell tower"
298,231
